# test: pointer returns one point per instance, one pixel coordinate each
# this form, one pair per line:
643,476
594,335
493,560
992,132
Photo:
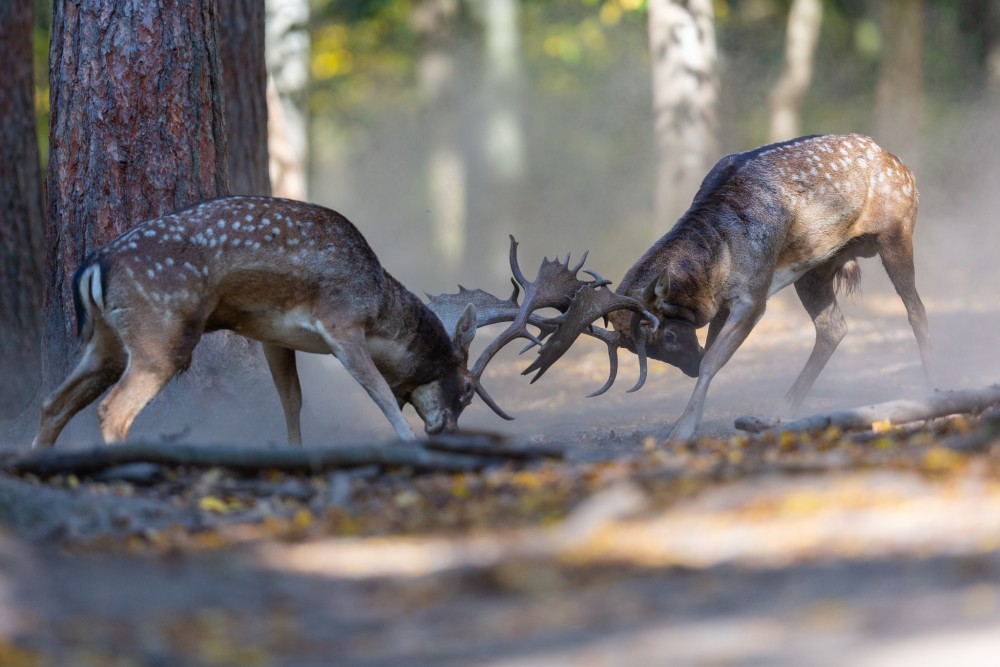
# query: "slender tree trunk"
136,131
21,218
288,63
503,138
804,19
685,95
900,86
244,75
446,169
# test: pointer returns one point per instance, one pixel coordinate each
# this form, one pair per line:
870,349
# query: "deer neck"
696,258
407,341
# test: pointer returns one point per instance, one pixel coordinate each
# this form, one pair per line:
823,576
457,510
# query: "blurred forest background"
440,126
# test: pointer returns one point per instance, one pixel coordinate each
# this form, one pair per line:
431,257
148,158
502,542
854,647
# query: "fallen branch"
310,460
940,404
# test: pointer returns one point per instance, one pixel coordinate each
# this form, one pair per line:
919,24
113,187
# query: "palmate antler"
555,286
593,301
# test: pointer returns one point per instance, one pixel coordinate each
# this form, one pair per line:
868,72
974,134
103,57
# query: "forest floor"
830,548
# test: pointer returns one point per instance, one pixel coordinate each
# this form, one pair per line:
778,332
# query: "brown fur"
800,212
294,276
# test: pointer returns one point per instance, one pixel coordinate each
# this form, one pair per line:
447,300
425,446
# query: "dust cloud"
575,195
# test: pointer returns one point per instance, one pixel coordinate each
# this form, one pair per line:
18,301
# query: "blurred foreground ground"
816,550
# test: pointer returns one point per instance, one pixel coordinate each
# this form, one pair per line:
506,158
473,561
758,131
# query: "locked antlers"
555,286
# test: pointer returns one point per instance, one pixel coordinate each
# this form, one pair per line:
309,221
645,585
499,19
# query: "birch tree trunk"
900,88
136,131
685,97
446,169
503,140
21,218
287,52
804,19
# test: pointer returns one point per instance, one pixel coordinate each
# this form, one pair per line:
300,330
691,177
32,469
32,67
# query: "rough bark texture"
900,86
685,97
137,131
804,19
245,80
21,217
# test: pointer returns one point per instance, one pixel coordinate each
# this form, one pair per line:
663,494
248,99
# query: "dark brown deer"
799,212
292,275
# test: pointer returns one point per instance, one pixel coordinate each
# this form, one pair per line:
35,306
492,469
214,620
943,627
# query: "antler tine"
488,400
579,265
612,373
515,268
640,350
589,304
599,280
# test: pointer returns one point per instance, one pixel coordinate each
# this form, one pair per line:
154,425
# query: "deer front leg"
101,365
281,362
350,348
743,316
816,291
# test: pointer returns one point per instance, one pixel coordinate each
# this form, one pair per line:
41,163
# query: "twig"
940,404
245,459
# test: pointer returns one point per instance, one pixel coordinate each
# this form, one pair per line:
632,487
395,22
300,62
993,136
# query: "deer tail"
847,280
88,294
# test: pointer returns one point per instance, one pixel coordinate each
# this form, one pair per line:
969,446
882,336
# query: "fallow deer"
799,212
294,276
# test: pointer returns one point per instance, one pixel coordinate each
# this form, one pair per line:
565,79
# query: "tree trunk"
446,169
503,140
21,221
685,95
900,86
136,131
288,64
244,76
804,20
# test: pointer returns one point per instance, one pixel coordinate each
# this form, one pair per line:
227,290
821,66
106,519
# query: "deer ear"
465,330
658,291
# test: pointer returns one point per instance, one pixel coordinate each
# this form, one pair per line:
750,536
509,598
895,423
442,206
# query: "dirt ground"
819,550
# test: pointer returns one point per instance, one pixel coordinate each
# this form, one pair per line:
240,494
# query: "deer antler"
592,301
555,286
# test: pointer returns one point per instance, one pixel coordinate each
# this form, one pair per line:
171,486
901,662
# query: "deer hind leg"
350,348
896,251
101,365
816,291
281,361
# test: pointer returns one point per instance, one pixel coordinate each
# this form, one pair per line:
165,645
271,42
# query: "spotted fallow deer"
795,213
294,276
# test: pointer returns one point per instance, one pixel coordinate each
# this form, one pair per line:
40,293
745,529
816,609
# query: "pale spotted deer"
799,212
294,276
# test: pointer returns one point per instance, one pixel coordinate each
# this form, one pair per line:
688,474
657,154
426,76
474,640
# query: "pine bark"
685,99
21,216
244,75
136,131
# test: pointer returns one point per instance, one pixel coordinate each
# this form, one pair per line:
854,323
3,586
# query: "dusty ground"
817,550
